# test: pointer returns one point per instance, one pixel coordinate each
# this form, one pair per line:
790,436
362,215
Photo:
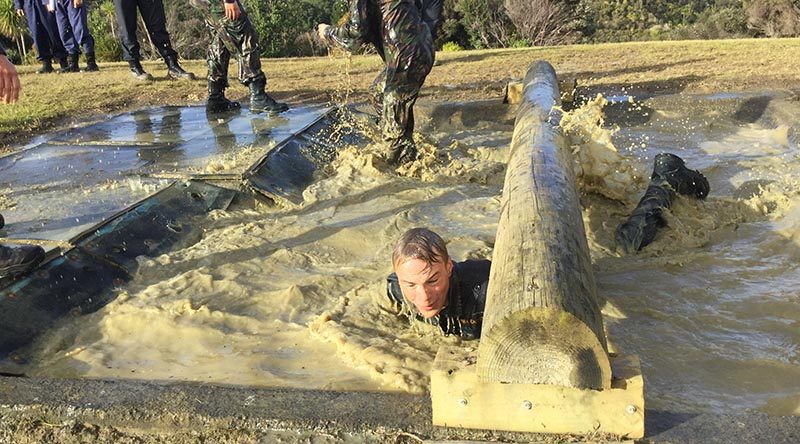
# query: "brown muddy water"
296,296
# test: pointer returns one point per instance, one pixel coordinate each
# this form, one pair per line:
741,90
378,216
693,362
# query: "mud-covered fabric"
403,40
230,37
466,299
670,176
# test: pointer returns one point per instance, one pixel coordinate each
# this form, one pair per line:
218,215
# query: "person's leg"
48,22
245,41
125,12
156,21
409,58
39,35
218,58
67,35
79,21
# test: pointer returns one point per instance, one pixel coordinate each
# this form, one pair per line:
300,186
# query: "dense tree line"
286,26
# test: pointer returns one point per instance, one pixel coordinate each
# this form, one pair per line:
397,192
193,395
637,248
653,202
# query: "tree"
542,22
11,27
774,18
486,23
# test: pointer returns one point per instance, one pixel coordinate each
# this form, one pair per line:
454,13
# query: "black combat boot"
683,180
47,67
217,103
139,72
260,101
72,64
62,62
17,260
175,71
91,63
402,152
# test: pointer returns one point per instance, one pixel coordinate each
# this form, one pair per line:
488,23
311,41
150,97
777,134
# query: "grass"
55,100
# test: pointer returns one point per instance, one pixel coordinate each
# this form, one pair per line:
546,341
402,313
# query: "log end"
543,346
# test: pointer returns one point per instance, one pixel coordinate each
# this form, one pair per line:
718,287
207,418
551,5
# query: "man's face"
425,285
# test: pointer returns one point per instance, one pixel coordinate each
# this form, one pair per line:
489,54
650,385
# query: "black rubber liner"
83,279
294,164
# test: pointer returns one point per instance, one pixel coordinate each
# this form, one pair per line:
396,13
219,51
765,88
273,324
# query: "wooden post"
542,322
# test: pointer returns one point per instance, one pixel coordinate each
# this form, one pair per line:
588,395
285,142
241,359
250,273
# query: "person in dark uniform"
400,32
17,260
44,30
232,32
156,22
73,26
428,286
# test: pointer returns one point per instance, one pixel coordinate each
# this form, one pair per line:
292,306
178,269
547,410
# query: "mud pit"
295,297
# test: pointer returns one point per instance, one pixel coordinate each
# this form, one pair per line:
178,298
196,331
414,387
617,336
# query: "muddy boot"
260,101
175,71
683,180
139,72
91,63
402,152
641,228
47,67
62,62
217,103
72,64
17,260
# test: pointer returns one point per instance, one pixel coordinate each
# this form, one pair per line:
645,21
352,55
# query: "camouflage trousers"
407,50
237,37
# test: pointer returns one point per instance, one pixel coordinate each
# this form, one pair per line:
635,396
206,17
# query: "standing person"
232,31
403,39
73,26
429,286
156,22
44,30
17,260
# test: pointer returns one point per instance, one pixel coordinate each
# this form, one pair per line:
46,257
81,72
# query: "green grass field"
54,100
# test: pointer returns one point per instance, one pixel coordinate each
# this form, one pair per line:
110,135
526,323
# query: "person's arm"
9,79
351,35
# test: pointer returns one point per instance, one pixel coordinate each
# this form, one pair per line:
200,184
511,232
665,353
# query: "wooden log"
460,399
542,323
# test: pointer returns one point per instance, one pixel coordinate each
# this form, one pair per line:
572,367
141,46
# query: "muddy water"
295,297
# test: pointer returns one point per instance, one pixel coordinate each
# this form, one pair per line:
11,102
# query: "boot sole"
176,77
17,269
269,111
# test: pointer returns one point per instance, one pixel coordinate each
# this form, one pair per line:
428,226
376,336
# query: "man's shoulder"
475,268
393,289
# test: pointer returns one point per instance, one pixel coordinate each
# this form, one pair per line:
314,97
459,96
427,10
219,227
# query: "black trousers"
154,19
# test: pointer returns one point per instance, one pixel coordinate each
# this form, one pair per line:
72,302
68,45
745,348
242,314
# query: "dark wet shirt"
466,298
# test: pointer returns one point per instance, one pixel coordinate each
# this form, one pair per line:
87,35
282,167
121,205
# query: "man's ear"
449,267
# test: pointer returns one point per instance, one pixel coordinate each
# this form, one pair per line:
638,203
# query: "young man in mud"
400,32
232,31
428,285
17,260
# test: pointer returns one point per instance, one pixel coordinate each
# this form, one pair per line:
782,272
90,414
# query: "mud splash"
296,296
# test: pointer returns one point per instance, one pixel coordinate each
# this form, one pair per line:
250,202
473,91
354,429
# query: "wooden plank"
542,322
460,399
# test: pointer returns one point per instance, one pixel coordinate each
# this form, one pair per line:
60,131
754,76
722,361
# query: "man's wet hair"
422,244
